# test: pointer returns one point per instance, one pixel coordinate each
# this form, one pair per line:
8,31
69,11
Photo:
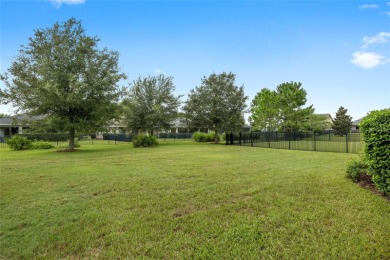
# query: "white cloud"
58,3
381,37
388,13
367,60
371,6
388,3
158,71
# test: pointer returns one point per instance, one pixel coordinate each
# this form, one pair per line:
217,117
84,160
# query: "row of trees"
63,75
216,104
283,109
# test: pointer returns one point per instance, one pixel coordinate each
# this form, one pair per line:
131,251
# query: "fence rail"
307,141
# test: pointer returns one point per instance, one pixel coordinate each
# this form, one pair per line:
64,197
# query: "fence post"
289,140
226,138
346,140
314,136
269,139
251,139
240,136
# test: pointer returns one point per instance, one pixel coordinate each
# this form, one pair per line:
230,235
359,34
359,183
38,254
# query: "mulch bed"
366,183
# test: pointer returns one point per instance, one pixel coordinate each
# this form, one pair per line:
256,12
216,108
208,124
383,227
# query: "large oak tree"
217,104
63,75
151,104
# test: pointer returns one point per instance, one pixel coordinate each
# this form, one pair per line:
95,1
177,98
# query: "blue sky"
338,50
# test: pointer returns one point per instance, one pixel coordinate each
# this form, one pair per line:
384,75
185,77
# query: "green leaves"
63,75
375,128
216,104
281,109
342,123
150,104
265,110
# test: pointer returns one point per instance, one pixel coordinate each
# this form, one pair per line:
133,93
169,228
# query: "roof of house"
357,122
18,120
180,123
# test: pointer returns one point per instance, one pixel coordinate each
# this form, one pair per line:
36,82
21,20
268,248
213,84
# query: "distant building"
328,119
14,125
355,125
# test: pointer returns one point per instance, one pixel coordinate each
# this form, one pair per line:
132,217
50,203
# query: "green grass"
186,200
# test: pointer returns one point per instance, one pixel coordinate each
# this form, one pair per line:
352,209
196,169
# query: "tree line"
62,74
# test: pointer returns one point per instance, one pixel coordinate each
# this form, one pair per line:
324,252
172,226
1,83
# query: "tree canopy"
151,104
63,75
342,122
281,109
292,98
265,110
318,123
217,104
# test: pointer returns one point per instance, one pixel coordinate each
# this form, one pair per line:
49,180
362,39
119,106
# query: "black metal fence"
307,141
161,136
60,137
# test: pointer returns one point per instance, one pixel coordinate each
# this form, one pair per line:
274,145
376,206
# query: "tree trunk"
72,133
216,137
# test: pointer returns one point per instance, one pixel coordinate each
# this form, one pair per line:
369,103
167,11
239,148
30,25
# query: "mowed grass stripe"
186,200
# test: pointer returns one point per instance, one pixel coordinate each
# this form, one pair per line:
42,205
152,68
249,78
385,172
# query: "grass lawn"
185,200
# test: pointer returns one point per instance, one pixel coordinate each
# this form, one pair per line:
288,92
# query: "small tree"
291,99
342,123
217,104
265,110
63,75
151,104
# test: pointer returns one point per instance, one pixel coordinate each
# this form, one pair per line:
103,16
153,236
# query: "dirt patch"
67,150
366,183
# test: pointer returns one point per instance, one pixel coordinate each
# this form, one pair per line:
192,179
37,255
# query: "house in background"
328,120
355,125
12,125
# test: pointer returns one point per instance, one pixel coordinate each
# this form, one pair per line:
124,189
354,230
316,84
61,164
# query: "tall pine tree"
342,122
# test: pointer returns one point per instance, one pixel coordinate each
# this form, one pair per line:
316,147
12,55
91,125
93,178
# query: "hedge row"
375,128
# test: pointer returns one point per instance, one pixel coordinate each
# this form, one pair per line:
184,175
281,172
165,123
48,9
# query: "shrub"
49,137
76,143
375,129
18,142
41,145
357,169
203,137
199,137
145,141
211,137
